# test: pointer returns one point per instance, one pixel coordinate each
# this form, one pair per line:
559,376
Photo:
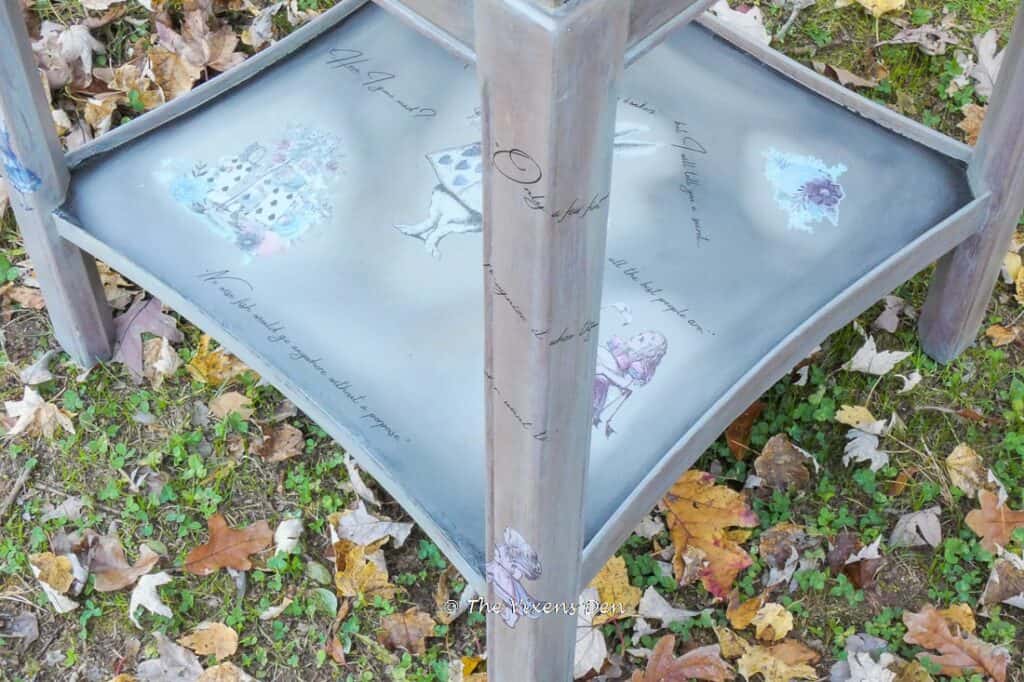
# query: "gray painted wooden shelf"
717,260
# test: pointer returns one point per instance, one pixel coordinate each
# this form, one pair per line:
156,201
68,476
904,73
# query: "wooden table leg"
549,96
963,281
33,163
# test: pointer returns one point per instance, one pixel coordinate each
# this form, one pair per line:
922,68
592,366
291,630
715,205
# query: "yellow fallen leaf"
731,644
1018,285
214,367
1012,264
700,514
760,660
772,622
173,73
966,470
741,614
214,639
614,590
960,614
231,401
879,7
856,416
356,575
54,570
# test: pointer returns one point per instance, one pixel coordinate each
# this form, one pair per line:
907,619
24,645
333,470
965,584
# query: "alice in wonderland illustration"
21,178
514,560
806,188
623,365
456,202
266,197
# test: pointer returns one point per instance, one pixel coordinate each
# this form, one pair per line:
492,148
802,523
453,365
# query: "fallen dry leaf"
737,436
355,574
1006,582
932,40
34,416
111,568
994,523
760,660
844,77
786,548
174,663
741,614
65,54
962,615
654,606
159,360
54,570
283,442
749,24
1002,336
212,639
701,514
986,71
214,367
869,360
959,653
146,595
231,401
879,7
860,418
27,297
359,526
702,663
863,447
228,547
225,672
143,317
407,630
612,585
916,529
590,650
974,118
782,465
966,470
772,622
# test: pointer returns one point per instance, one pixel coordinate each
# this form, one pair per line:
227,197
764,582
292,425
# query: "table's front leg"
549,95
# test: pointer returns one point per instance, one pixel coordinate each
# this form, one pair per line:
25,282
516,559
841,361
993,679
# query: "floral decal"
266,197
623,365
805,187
20,177
513,561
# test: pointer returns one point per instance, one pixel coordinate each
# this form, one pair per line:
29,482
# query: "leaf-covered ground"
197,495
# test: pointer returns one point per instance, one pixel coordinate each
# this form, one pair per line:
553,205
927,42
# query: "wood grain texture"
38,178
447,22
964,278
549,87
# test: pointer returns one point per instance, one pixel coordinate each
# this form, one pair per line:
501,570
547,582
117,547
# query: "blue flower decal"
20,177
806,188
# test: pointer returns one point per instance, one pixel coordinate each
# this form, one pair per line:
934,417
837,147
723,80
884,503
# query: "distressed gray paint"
385,342
33,162
358,285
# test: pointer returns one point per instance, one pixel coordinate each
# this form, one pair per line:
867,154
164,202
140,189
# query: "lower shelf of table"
323,221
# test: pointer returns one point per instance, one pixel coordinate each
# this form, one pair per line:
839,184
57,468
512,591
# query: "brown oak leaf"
701,514
782,465
407,630
960,653
228,547
737,436
703,663
994,523
144,316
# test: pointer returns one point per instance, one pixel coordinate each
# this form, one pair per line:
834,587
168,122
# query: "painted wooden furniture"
525,299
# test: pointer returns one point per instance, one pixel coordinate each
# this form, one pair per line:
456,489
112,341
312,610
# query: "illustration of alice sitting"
622,366
514,560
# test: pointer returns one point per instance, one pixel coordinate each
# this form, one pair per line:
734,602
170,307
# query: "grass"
124,429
